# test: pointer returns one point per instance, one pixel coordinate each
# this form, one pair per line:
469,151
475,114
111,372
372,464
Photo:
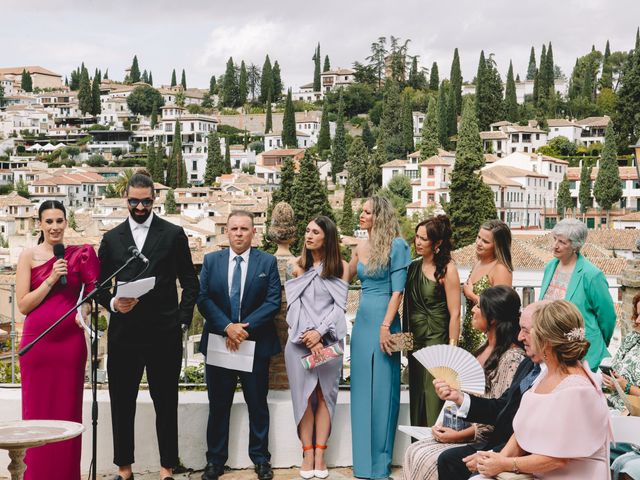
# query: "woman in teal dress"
432,309
494,267
381,264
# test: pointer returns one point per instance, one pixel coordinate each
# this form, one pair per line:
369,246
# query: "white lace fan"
455,365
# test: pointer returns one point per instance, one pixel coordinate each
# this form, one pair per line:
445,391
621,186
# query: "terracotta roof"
490,158
609,239
561,122
13,199
595,121
629,217
509,171
395,163
522,129
502,123
493,177
434,161
31,69
279,152
524,256
534,156
339,71
497,135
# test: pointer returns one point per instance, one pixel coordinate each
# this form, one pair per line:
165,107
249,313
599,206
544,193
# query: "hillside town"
543,144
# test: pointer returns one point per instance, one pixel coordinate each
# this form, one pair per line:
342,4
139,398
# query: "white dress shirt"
139,231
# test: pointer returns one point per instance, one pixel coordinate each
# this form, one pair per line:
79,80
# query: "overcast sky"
200,35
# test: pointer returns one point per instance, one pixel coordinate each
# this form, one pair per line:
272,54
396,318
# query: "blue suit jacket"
261,299
589,291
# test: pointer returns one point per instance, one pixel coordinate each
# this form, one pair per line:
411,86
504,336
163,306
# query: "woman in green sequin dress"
432,308
494,267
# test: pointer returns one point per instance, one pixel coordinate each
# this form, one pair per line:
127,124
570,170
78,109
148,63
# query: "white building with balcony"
336,78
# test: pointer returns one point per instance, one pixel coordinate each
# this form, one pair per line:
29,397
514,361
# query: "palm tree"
120,185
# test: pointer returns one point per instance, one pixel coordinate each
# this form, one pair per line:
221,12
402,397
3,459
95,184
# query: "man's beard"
139,218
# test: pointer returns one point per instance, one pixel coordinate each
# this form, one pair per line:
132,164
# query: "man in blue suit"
240,294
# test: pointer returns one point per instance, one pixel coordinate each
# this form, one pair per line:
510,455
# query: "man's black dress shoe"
264,471
212,472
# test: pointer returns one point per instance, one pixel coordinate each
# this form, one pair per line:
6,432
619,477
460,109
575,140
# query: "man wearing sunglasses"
146,333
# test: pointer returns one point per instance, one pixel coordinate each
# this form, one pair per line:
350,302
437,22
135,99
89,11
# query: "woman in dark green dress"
432,297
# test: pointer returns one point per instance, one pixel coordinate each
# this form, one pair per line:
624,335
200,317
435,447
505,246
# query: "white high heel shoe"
307,474
321,473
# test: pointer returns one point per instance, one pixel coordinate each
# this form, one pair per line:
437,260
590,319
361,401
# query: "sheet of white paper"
419,433
218,355
135,289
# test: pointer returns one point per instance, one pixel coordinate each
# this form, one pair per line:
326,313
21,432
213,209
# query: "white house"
336,78
561,127
593,129
506,138
306,94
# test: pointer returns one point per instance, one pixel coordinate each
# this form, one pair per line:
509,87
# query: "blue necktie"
527,381
234,293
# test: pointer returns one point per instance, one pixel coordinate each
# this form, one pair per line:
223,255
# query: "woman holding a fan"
317,300
497,315
431,309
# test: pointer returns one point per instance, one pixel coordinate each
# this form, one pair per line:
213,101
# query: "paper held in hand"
219,356
135,289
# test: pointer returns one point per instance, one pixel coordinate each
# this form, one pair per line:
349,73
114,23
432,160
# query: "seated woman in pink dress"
53,370
562,428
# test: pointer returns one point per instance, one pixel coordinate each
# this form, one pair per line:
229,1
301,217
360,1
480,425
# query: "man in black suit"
146,332
460,462
240,294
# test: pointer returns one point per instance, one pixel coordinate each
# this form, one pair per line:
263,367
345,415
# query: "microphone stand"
93,298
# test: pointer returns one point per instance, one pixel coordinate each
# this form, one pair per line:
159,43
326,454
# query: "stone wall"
630,286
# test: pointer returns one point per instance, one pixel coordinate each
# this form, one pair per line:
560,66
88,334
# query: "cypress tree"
407,124
316,70
434,77
145,77
628,102
563,200
339,150
266,82
158,173
584,192
309,196
607,189
430,131
134,73
227,157
174,173
85,99
606,81
213,167
150,78
151,161
390,135
96,107
452,116
230,87
289,139
532,68
276,82
173,78
488,93
456,82
327,64
367,137
170,203
26,82
183,80
324,136
358,168
414,81
637,47
536,87
346,222
472,201
268,122
106,74
510,99
243,89
154,115
212,85
443,115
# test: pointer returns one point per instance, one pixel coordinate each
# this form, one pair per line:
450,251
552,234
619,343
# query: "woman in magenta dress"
53,370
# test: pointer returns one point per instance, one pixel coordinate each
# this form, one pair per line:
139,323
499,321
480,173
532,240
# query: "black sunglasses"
133,202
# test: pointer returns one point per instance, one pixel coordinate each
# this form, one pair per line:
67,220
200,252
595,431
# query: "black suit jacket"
261,299
158,312
500,411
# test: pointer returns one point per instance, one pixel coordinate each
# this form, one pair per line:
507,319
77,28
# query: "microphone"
136,253
58,251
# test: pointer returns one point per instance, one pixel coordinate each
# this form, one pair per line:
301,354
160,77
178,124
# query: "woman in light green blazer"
570,276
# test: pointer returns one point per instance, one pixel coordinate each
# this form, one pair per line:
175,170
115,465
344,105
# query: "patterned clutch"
402,341
328,353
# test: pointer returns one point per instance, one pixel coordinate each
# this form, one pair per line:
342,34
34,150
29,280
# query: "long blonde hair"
385,228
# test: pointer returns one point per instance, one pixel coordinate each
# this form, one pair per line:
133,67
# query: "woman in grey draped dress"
317,298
